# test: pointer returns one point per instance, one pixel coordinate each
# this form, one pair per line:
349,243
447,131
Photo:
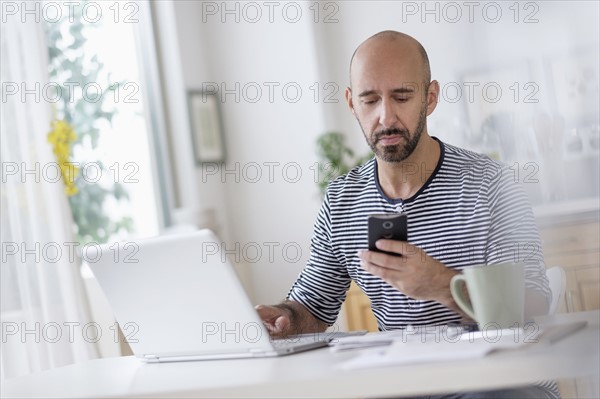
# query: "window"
98,92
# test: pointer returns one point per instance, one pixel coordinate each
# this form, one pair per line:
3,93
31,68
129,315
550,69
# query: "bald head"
382,44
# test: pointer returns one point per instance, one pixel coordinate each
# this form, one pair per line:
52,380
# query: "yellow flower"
70,190
61,137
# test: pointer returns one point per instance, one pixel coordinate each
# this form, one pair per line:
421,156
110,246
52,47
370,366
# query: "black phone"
391,226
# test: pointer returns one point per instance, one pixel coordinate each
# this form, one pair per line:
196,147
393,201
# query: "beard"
398,152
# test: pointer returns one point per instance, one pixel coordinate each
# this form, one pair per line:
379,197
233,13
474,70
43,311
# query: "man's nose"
387,115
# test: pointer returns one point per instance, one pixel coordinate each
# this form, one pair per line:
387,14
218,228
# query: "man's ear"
349,100
433,92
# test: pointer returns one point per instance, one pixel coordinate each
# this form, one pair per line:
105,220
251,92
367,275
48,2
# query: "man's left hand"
414,273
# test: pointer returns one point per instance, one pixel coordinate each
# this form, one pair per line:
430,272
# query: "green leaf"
336,158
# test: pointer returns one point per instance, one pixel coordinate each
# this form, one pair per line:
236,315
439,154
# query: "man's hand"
289,318
276,320
415,273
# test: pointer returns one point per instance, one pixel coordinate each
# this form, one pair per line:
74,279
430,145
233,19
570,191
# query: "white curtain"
43,308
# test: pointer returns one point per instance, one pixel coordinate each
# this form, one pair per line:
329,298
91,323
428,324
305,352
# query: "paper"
384,338
418,352
439,345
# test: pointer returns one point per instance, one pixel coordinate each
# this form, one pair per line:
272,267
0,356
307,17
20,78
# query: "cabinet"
574,244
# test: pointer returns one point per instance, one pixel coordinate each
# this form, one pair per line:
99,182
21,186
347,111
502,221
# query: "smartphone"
391,226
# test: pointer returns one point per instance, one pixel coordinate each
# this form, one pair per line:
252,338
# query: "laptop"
177,298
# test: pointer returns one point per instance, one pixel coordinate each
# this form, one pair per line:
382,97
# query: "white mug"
496,295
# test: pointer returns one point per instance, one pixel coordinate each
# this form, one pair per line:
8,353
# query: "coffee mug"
496,295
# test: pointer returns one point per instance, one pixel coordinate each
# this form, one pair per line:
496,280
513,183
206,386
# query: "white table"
317,373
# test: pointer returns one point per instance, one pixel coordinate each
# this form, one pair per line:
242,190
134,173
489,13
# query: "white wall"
305,52
262,204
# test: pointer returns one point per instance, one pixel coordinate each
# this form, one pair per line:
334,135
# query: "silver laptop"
178,298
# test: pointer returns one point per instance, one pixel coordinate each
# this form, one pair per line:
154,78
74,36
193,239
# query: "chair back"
557,281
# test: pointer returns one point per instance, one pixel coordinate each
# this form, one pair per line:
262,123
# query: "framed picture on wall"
205,121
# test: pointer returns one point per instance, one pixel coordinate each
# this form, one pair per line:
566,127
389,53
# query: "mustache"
391,132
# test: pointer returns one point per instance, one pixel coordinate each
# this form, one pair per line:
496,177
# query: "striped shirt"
470,211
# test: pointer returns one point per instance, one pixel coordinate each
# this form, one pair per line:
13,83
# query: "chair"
557,281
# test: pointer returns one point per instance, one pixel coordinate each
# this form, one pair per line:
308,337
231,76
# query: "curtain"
43,308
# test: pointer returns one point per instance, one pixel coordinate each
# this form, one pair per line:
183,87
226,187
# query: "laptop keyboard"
305,339
298,341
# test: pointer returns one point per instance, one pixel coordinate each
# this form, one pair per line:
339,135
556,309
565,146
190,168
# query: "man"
463,209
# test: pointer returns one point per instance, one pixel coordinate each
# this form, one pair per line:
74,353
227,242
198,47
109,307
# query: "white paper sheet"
431,345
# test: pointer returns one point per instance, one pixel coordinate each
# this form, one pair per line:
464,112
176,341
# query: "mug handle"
456,285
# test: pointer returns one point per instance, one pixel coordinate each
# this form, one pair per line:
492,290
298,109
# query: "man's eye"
368,102
401,99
